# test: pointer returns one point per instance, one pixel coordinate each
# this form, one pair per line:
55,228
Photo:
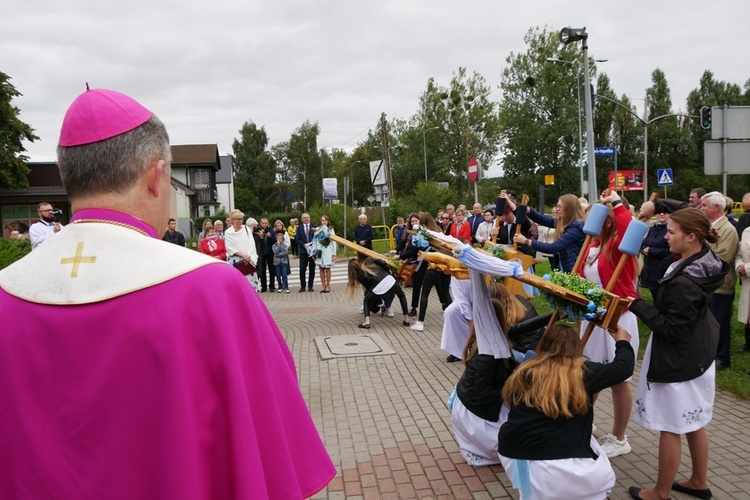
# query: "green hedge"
12,250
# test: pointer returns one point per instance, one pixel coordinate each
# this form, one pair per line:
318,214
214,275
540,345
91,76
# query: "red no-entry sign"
473,169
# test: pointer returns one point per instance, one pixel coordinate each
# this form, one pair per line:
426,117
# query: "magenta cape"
185,389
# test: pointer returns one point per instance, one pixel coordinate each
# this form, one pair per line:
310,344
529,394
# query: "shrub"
12,250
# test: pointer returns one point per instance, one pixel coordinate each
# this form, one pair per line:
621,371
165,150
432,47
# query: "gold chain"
105,221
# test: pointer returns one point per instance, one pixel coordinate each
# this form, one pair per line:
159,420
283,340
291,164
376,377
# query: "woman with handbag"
241,251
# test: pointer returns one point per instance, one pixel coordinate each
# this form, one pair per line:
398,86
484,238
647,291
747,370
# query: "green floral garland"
497,250
573,282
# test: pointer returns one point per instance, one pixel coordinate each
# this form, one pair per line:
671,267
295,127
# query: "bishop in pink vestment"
116,383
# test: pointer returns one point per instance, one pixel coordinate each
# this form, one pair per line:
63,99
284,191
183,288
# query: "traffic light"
706,117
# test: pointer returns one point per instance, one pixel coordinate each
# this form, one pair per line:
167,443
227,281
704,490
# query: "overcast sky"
207,67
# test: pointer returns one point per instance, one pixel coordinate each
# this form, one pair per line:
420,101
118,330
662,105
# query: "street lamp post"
424,148
577,67
570,35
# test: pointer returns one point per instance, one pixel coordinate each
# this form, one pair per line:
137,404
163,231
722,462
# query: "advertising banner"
330,188
627,180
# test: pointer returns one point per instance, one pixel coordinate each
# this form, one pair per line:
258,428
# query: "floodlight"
570,35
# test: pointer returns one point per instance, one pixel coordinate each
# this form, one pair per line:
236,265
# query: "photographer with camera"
49,224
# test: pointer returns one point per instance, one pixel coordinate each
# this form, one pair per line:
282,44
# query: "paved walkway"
385,424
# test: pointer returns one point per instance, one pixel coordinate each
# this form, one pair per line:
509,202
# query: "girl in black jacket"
677,385
546,445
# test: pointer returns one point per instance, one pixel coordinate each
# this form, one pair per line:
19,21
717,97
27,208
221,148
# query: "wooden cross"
78,259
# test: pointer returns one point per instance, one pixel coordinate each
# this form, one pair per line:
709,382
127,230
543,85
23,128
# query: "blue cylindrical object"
520,214
595,219
631,241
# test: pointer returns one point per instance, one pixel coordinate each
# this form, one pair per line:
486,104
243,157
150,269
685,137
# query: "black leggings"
438,279
372,301
416,284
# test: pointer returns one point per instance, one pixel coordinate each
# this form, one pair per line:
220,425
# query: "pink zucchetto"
100,114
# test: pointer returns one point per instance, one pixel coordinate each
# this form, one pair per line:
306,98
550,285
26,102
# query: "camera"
57,214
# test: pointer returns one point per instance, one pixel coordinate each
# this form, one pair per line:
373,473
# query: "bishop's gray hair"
115,164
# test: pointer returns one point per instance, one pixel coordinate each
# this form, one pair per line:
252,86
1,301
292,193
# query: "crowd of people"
529,405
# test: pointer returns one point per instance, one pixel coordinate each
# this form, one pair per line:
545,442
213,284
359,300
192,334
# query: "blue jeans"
281,276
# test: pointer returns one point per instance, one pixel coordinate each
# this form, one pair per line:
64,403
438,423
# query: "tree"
539,114
13,169
710,92
255,168
466,124
304,162
614,126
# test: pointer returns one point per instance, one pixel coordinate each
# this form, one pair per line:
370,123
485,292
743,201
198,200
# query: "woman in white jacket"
241,245
484,230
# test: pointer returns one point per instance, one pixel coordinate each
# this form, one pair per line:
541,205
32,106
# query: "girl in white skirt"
546,445
676,390
602,257
475,411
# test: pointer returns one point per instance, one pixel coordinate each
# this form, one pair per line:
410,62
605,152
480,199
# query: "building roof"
196,155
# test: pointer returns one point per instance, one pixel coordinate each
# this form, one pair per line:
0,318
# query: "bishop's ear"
158,177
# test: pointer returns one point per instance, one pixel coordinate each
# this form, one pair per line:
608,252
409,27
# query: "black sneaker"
742,348
452,359
413,312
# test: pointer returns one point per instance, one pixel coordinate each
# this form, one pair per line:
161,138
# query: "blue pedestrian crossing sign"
665,177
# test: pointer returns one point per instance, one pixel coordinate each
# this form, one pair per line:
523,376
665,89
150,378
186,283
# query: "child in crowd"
280,256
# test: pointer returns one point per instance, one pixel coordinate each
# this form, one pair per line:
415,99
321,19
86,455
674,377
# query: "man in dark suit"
476,218
305,233
508,229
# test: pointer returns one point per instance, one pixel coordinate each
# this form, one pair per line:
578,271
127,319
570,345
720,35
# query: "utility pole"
386,154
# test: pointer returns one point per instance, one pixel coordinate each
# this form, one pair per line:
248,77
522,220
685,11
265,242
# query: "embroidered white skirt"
677,407
601,346
477,437
579,478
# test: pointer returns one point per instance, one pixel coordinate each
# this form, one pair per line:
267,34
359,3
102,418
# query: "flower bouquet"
421,238
596,295
323,236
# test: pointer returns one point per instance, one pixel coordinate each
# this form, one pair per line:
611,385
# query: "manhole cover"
352,345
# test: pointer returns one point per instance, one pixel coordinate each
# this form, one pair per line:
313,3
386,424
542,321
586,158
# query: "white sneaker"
418,326
361,309
389,312
280,290
614,448
593,429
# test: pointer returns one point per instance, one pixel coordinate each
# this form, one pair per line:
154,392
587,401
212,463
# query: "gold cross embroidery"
77,260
